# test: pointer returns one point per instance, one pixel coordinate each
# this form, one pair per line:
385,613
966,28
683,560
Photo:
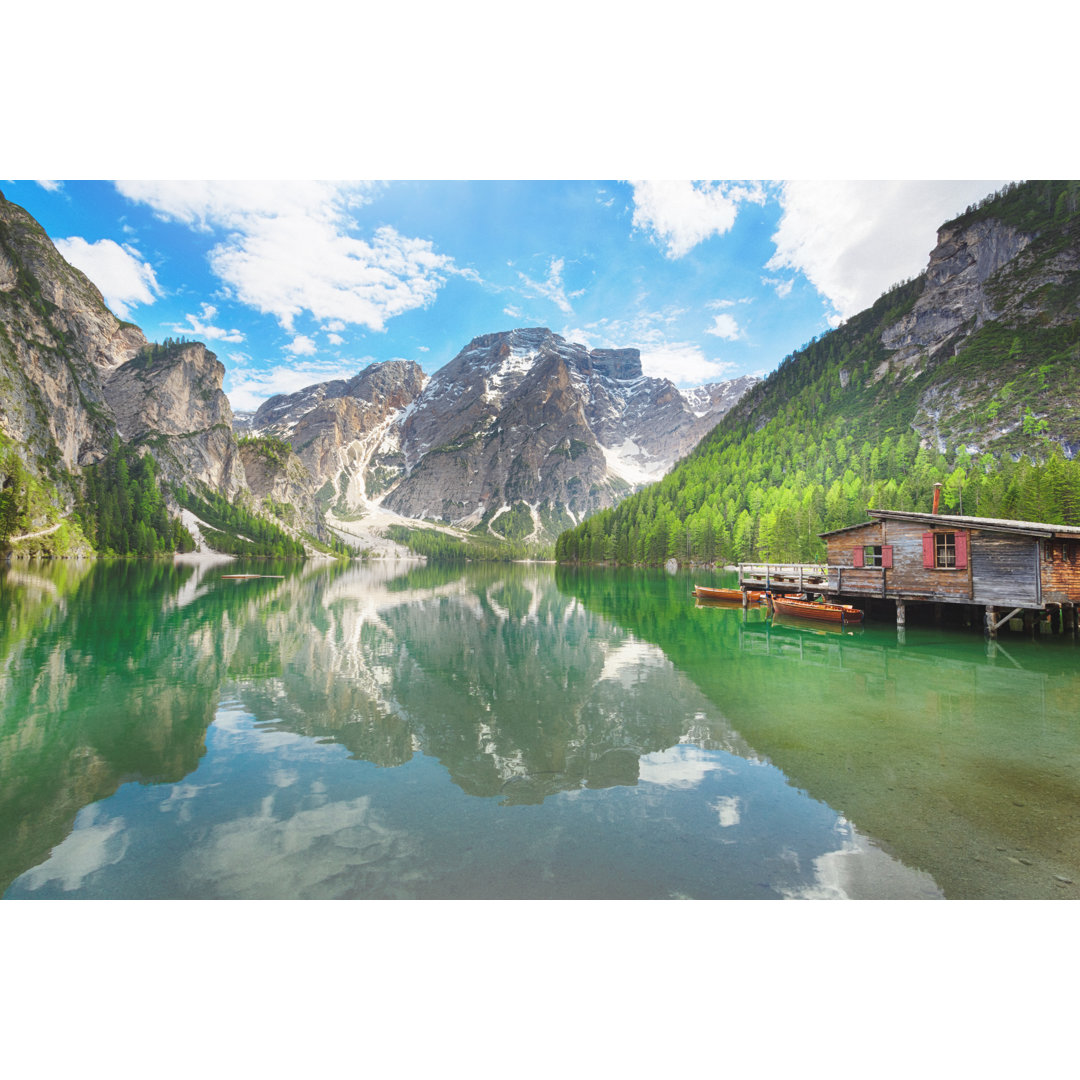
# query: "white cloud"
684,364
853,239
201,327
512,312
335,339
553,288
291,248
724,326
782,286
301,345
247,386
118,271
680,214
50,185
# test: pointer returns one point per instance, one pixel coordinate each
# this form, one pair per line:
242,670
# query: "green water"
513,731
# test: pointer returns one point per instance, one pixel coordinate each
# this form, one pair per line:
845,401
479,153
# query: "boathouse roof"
962,521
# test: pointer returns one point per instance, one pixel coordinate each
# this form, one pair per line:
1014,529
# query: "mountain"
81,389
522,433
967,375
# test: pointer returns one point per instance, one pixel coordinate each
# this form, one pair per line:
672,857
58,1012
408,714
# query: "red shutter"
886,556
928,550
857,557
961,550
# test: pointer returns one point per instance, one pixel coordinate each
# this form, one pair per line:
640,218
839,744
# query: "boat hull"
704,592
804,609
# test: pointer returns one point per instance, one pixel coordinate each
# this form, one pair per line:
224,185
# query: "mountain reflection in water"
485,731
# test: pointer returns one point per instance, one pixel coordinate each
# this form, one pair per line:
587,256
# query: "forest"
122,510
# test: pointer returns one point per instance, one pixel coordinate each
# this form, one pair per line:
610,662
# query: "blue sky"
295,282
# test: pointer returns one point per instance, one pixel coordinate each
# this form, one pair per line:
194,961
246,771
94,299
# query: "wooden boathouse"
1002,570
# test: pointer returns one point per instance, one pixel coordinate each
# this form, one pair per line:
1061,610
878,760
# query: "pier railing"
823,577
793,577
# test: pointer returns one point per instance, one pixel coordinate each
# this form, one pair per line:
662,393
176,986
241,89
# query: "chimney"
937,498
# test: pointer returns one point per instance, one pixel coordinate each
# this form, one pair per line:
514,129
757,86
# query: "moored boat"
705,592
808,609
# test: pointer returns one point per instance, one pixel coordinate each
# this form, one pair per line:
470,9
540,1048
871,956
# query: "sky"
296,282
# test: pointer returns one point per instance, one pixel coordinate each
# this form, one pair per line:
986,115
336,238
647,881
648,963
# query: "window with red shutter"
928,551
886,556
857,557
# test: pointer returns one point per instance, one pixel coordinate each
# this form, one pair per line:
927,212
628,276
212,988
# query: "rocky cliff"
73,378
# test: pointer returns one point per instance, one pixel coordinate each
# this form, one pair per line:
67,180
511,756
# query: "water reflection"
503,731
957,755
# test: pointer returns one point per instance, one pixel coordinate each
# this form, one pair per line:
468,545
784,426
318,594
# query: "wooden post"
745,598
991,622
1029,622
901,613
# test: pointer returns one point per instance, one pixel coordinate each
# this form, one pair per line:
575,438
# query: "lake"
393,730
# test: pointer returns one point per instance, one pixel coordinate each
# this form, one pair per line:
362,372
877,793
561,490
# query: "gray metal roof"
848,528
963,521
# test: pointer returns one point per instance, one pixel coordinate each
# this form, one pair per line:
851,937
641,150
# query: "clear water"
386,731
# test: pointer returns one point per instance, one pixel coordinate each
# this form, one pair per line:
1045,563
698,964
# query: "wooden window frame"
944,544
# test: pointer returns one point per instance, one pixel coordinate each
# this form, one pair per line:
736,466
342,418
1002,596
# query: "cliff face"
58,345
986,344
955,300
73,377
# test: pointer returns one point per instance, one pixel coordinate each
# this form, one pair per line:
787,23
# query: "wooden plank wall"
840,553
1061,571
908,574
1004,569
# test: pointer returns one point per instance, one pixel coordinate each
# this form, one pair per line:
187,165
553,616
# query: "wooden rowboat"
807,609
704,592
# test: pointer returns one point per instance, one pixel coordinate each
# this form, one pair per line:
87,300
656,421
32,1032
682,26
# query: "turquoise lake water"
404,731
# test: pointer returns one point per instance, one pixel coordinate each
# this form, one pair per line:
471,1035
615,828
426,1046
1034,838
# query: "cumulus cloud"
853,239
202,327
301,345
335,339
684,364
50,185
724,326
680,214
120,272
292,248
248,386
